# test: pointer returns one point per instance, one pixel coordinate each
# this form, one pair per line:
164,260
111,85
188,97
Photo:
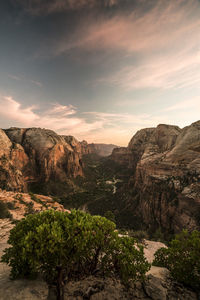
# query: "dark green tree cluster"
69,246
182,258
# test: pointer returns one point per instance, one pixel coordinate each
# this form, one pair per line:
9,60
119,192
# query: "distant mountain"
102,149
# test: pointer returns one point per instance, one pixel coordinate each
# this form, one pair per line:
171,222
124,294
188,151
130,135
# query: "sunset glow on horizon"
99,69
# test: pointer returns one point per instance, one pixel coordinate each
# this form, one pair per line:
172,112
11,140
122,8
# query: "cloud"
58,117
99,127
22,78
12,110
136,30
189,104
175,70
159,48
45,7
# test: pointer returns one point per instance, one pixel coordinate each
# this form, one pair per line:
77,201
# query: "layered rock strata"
37,155
165,164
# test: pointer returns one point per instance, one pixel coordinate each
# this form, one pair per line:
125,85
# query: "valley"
151,185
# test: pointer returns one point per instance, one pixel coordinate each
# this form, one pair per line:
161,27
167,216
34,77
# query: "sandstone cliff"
37,155
165,181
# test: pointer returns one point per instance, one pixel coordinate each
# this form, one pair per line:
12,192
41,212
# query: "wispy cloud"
58,117
45,7
175,70
137,31
115,128
188,104
22,78
161,45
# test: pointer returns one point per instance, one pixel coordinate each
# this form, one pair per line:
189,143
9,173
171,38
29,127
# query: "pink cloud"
114,128
167,22
163,43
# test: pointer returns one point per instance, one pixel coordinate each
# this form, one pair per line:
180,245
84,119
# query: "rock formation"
37,155
165,180
20,204
40,155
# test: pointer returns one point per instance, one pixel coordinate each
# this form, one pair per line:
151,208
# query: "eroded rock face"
165,164
12,161
38,155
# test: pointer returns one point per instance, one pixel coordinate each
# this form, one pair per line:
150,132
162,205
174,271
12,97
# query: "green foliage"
140,235
182,258
29,209
36,199
4,212
67,246
125,258
158,235
20,198
11,205
110,216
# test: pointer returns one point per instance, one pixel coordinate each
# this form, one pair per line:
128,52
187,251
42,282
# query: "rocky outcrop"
13,159
38,155
20,204
165,181
30,155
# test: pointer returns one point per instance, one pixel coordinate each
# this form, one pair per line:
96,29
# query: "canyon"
157,176
165,176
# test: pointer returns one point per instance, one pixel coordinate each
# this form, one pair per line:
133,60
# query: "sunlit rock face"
12,162
37,155
165,179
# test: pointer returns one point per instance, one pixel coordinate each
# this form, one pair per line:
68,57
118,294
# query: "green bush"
11,205
110,216
29,209
36,199
140,235
69,246
182,258
4,212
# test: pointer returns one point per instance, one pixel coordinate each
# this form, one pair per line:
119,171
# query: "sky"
99,69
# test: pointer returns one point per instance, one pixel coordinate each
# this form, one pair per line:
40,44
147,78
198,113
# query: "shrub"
29,208
4,212
110,216
140,235
11,205
158,235
66,246
182,258
19,197
36,199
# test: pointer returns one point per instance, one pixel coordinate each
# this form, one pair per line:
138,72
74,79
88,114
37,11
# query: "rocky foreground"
158,286
20,204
